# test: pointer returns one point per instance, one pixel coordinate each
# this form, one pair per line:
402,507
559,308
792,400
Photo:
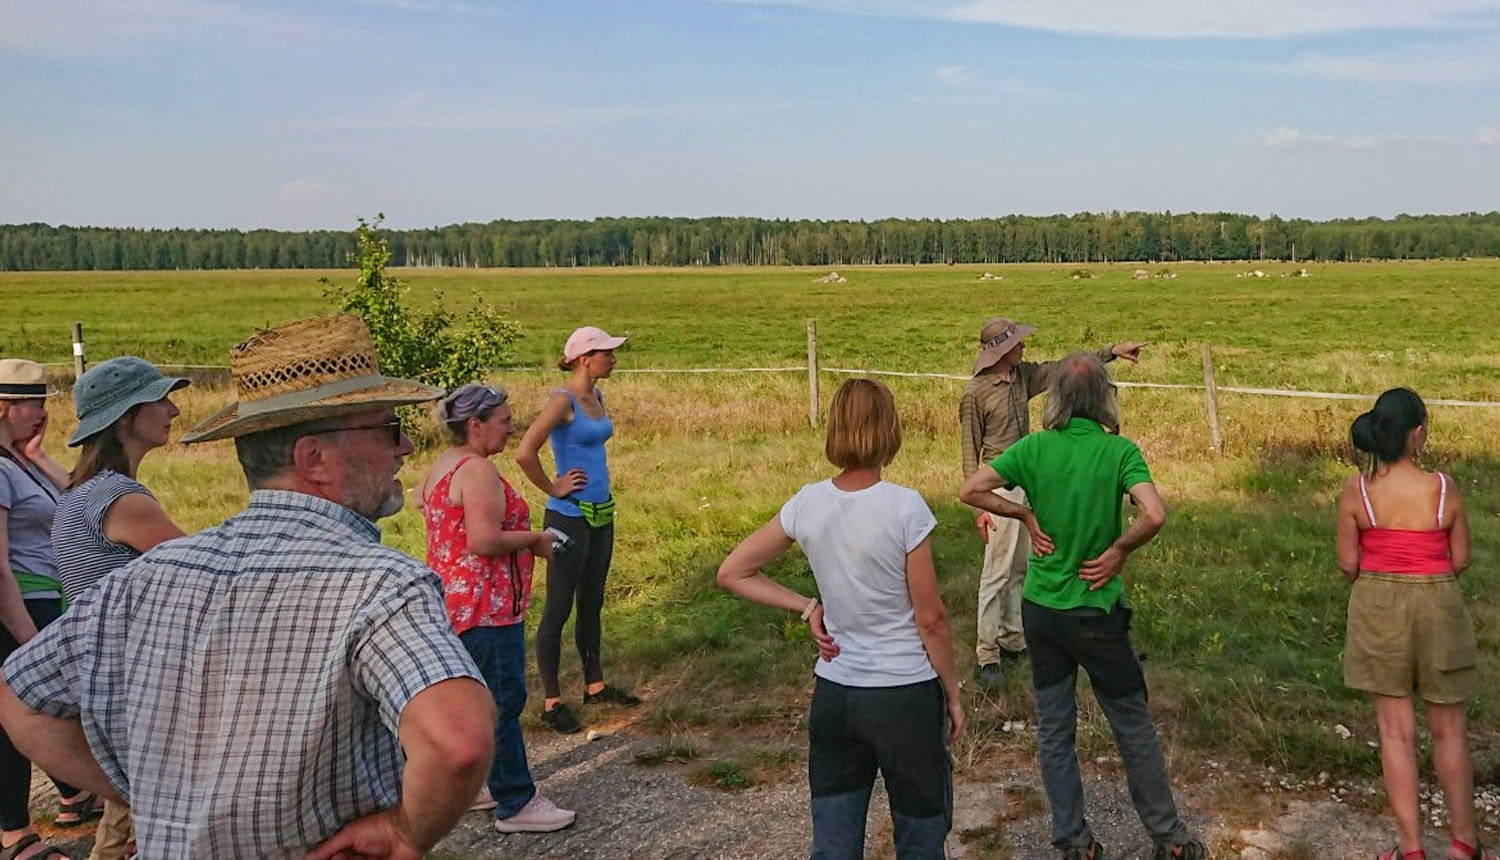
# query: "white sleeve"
789,512
917,520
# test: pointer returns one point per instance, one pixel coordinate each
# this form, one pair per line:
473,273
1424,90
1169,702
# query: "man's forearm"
56,745
1140,533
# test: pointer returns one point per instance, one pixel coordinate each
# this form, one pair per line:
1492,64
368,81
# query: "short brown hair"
864,430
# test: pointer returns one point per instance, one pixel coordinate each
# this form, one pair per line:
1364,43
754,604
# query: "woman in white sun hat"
30,593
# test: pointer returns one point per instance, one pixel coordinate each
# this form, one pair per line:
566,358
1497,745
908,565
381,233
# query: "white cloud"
1487,137
1285,137
63,28
1179,19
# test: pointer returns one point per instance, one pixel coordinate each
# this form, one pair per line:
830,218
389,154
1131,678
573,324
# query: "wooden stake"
812,373
1212,390
79,365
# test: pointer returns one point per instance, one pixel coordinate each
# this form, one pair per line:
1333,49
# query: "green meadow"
1240,608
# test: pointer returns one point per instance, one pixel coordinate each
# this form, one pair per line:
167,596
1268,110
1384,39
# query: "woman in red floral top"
479,540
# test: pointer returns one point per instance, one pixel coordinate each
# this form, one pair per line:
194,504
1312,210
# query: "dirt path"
626,810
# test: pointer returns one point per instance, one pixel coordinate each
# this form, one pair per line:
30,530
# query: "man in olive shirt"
993,414
1075,473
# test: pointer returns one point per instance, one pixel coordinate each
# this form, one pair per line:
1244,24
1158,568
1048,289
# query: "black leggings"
15,770
581,571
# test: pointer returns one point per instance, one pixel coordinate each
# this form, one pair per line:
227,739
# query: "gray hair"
1081,389
267,455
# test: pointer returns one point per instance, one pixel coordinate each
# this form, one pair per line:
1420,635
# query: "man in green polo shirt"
1075,474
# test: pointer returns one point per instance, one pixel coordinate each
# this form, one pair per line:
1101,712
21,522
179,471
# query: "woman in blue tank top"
574,422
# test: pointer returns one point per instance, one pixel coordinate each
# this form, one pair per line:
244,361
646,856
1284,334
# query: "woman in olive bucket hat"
107,518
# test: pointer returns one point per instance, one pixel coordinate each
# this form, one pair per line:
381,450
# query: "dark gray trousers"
1059,643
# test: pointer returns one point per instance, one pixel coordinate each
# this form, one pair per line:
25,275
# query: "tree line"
1080,238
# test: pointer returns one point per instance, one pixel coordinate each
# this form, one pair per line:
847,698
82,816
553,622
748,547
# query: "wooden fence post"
1212,390
812,373
79,365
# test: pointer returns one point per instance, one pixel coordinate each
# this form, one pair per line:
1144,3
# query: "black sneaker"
990,676
611,695
1190,850
561,720
1093,852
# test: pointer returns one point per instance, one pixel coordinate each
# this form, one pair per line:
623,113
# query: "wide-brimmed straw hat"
998,336
109,389
22,380
313,368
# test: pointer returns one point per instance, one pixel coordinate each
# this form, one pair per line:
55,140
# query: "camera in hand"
561,543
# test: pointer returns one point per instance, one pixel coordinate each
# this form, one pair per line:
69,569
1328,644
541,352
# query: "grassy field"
1240,605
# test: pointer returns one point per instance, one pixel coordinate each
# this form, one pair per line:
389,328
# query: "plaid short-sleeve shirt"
242,687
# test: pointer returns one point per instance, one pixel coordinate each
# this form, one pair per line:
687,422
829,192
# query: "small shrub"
729,775
432,346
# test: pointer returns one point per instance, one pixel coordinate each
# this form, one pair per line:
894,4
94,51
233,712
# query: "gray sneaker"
539,815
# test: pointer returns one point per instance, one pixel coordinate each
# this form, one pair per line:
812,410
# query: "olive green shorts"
1410,634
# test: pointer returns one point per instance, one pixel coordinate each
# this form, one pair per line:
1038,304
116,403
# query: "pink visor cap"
588,339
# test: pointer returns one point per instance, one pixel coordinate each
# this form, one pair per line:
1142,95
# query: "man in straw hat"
282,683
993,414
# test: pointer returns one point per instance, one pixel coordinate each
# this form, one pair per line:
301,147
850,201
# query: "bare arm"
1348,529
447,734
932,626
979,491
41,459
741,574
1150,516
528,453
56,745
13,612
478,489
1458,533
136,520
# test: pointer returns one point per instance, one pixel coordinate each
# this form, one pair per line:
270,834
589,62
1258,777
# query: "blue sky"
294,115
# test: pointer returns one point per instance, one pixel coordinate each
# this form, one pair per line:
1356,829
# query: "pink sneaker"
539,815
482,800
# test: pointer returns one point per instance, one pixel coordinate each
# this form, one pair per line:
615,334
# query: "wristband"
807,611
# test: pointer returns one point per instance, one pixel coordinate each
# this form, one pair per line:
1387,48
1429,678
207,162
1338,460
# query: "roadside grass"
1239,605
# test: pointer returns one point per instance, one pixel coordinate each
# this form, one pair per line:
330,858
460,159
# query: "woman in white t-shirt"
885,697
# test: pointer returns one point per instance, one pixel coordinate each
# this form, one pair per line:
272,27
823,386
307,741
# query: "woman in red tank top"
1403,538
480,541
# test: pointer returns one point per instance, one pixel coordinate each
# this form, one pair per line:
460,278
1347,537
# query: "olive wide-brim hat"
314,368
109,389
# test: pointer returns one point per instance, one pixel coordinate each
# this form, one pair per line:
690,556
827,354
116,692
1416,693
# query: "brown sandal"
31,840
89,808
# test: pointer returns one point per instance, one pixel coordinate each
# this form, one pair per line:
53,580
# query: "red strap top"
1415,551
480,591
